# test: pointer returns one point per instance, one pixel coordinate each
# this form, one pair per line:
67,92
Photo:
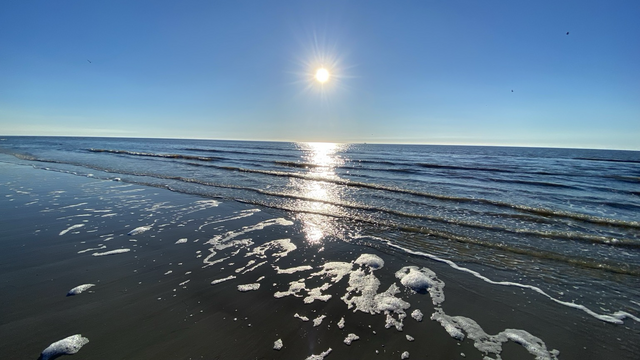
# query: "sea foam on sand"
67,346
139,230
79,289
72,227
277,345
112,252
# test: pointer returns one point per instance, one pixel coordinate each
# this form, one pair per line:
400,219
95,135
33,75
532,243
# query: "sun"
322,75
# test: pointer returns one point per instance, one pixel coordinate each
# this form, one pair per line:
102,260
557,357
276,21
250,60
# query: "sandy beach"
179,276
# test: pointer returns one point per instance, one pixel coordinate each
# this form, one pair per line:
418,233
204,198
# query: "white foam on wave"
67,346
321,356
248,287
218,281
303,318
79,289
112,252
614,318
405,355
341,323
139,230
181,241
72,227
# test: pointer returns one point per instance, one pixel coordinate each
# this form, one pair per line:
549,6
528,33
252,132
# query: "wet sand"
157,300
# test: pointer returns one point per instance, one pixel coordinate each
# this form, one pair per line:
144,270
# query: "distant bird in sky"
511,90
89,61
567,33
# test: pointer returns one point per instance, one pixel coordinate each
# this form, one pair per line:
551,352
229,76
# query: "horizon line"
333,142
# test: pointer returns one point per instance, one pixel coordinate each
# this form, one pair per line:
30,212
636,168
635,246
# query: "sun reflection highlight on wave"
324,158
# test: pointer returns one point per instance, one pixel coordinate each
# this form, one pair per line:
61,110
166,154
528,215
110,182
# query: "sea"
563,223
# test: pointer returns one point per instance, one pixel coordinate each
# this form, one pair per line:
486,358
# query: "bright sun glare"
322,75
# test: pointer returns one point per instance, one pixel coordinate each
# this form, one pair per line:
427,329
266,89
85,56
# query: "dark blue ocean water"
564,220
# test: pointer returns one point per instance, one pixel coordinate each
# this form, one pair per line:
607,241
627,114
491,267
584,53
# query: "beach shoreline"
156,300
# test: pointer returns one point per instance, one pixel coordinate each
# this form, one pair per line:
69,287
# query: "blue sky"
401,72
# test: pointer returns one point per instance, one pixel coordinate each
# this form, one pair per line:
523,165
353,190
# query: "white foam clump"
277,345
351,338
341,323
259,226
92,249
421,280
181,241
405,355
417,314
285,246
335,271
72,227
303,318
373,261
321,356
209,202
79,289
139,230
293,269
410,338
457,326
317,321
294,288
218,281
67,346
112,252
248,287
369,301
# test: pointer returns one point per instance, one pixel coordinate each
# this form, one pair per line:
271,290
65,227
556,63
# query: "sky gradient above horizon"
425,72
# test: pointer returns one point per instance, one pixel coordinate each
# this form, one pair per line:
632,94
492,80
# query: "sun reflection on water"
323,159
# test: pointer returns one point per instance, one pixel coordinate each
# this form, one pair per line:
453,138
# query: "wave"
544,212
169,156
295,164
524,208
609,160
279,154
615,318
542,254
466,168
448,235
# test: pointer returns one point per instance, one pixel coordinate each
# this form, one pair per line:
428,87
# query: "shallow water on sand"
184,276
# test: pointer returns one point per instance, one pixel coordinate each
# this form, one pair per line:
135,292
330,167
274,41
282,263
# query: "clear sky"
432,72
